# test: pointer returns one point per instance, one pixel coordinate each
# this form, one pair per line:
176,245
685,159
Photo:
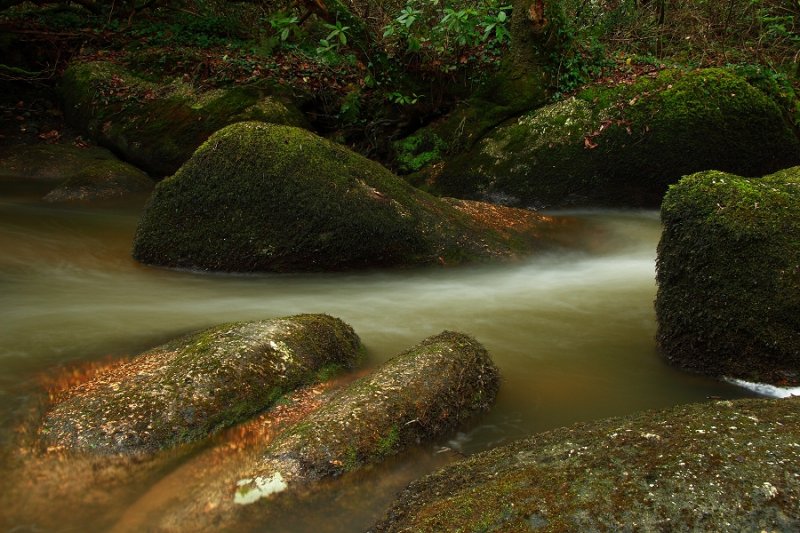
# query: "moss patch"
157,127
257,196
729,276
712,467
624,145
188,388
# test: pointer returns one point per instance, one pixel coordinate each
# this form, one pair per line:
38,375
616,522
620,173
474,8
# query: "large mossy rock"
722,466
190,387
262,197
728,298
623,145
157,127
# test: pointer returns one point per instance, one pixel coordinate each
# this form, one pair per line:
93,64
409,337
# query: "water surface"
572,331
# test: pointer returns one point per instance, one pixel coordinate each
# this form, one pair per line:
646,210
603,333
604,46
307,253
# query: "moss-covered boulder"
722,466
188,388
157,127
623,145
728,298
262,197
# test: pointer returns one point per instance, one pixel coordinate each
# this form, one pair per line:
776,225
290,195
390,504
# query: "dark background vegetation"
365,71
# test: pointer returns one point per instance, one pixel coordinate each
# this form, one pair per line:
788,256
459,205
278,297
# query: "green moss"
388,444
157,127
735,241
624,145
246,201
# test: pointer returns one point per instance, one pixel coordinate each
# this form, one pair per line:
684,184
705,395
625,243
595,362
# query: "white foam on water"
765,389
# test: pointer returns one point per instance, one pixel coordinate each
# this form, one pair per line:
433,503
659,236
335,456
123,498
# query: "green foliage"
776,84
449,35
418,151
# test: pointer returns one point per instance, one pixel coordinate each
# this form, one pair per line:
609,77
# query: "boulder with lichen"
717,466
189,388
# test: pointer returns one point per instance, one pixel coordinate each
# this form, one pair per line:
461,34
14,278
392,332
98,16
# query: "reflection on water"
572,332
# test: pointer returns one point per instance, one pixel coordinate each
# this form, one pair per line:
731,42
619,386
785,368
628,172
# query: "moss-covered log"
624,145
157,127
264,197
722,466
417,395
190,387
728,298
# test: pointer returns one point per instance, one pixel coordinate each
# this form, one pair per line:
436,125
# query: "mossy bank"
728,298
263,197
718,466
157,126
624,144
188,388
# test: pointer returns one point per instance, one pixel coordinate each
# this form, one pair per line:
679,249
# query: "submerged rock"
157,127
722,466
190,387
728,298
417,395
261,197
624,145
86,174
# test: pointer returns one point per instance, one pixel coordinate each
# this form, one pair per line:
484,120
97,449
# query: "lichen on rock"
728,300
717,466
263,197
187,389
623,145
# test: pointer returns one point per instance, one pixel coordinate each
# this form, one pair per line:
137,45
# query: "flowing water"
572,331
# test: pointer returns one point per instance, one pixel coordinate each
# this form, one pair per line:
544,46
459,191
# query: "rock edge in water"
718,466
190,387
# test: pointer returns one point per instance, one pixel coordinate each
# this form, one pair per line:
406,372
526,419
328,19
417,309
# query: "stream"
571,331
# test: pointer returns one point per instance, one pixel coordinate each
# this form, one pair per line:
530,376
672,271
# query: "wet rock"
723,466
728,298
157,127
85,174
418,395
105,180
191,387
624,145
260,197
